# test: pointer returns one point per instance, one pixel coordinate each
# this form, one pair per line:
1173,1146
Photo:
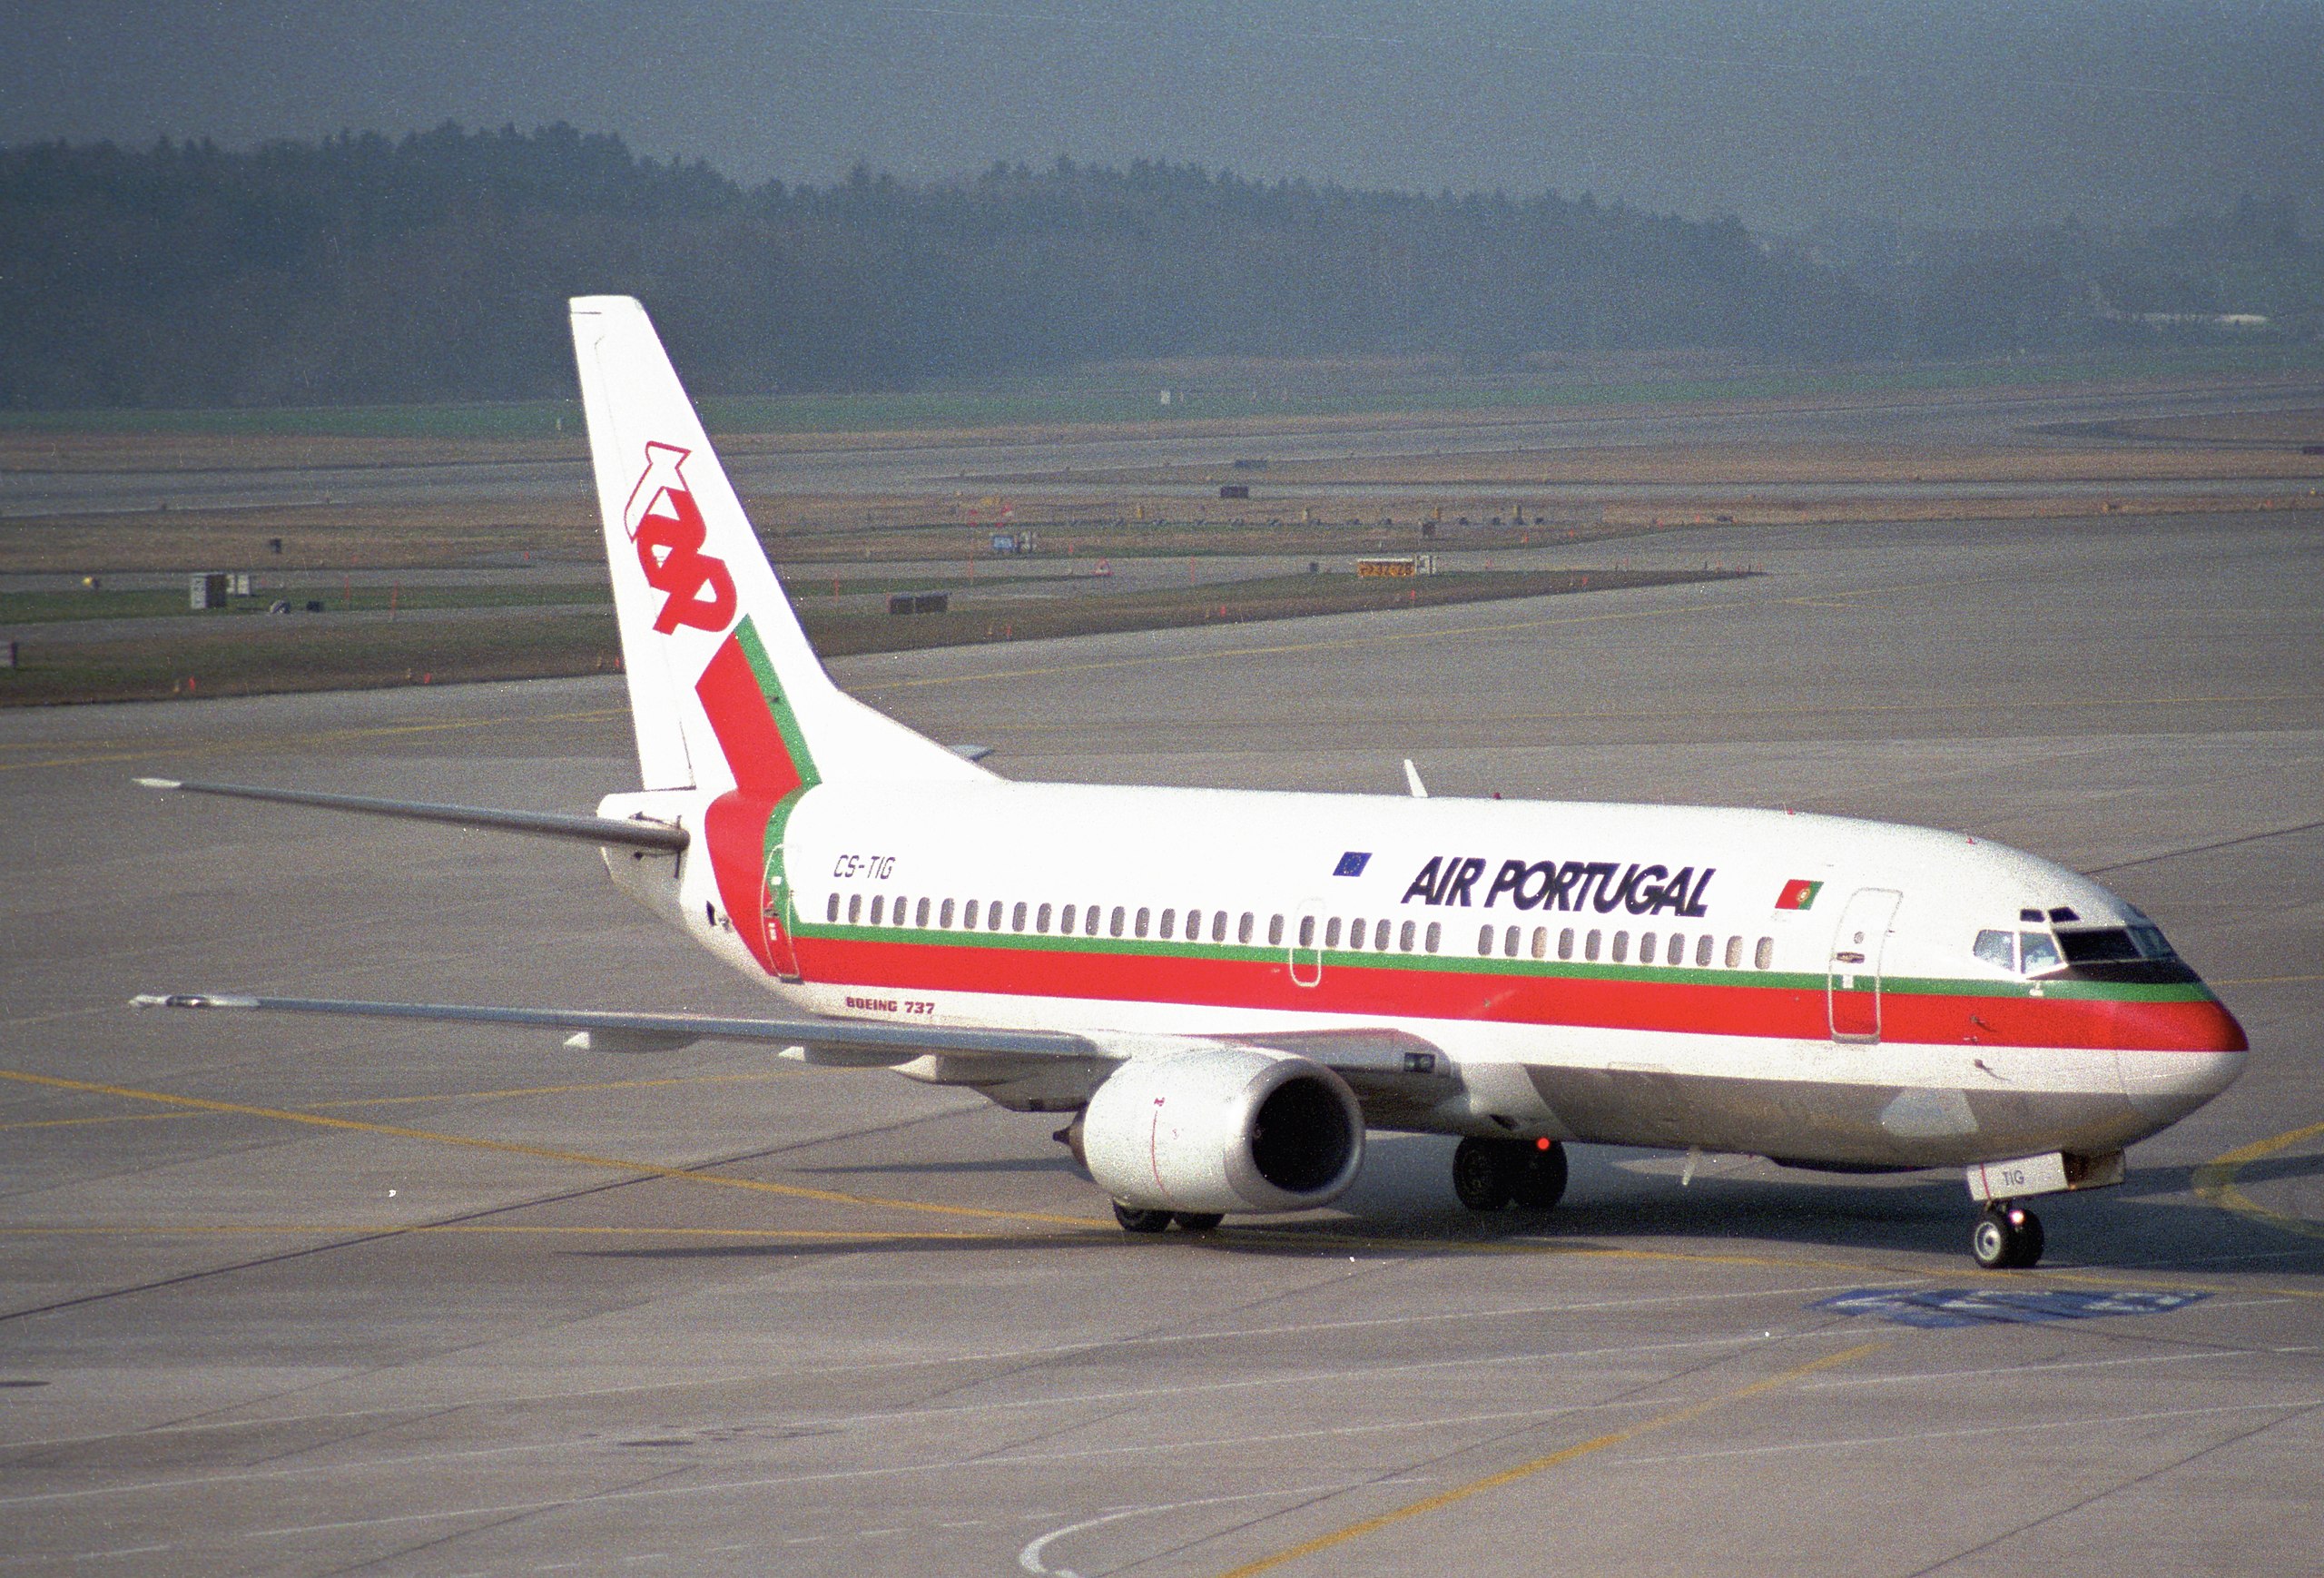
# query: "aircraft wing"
1389,1068
853,1042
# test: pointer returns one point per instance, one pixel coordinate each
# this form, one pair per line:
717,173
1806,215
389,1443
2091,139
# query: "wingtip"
160,782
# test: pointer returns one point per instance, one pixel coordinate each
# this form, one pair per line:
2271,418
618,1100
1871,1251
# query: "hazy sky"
1779,111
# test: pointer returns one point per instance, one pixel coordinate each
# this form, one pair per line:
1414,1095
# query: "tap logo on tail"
665,523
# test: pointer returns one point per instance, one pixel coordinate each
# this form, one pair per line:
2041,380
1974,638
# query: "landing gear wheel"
2007,1238
1480,1174
1136,1221
1537,1179
1197,1221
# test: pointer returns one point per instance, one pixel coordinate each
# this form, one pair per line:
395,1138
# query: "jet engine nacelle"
1223,1129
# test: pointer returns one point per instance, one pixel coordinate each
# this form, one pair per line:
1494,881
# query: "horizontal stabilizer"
600,830
847,1040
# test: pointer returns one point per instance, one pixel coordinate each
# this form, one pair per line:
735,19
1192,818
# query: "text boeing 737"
1227,989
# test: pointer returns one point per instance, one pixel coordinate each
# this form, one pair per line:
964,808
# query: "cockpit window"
1998,949
2151,942
2037,954
2098,945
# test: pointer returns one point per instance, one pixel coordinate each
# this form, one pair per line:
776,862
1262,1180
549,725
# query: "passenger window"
1484,942
1092,920
1735,953
1589,946
2036,954
1435,934
1120,915
944,916
1017,917
1565,943
1621,946
992,915
1677,954
1513,941
968,916
1332,932
1764,956
1145,915
1242,932
1219,925
1998,949
1275,931
1169,924
1359,931
1646,955
830,910
854,908
1410,927
920,918
1703,945
1540,941
1306,930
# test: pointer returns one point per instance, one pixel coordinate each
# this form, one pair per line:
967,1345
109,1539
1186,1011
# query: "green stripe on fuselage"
1675,975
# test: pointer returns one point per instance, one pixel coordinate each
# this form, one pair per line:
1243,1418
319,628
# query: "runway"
311,1298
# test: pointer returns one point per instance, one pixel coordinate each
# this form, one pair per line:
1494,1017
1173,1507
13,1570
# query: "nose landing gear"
2007,1238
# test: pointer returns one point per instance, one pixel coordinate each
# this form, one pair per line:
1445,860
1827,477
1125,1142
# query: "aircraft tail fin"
724,691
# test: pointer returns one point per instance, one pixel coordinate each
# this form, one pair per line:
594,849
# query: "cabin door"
1852,979
777,915
1308,944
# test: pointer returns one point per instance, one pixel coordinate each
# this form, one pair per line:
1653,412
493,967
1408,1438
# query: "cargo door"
1851,978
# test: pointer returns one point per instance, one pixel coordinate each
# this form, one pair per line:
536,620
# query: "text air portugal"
761,742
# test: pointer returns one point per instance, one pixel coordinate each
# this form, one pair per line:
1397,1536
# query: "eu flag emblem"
1351,863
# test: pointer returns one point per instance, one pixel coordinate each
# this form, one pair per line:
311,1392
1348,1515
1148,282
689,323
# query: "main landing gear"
1138,1219
1488,1174
2007,1238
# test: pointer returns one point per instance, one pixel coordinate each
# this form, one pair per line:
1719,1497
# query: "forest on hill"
367,269
435,266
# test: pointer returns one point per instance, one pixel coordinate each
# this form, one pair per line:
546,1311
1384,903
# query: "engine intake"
1224,1128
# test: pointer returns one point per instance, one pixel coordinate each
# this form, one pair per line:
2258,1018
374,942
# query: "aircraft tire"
1137,1219
2006,1238
1197,1221
1481,1174
1537,1179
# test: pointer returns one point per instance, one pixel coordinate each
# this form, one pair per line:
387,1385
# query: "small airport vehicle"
1223,991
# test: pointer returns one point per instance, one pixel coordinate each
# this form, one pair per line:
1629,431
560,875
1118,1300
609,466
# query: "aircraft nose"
2178,1056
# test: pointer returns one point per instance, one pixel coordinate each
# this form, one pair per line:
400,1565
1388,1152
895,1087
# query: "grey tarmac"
311,1297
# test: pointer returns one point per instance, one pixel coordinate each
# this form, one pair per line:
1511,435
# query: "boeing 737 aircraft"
1225,990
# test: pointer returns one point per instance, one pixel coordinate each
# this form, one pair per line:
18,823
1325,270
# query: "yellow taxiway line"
2215,1182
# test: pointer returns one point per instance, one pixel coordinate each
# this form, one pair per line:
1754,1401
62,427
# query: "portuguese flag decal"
1798,893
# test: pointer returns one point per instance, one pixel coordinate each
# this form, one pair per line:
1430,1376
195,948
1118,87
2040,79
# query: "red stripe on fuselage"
1675,1005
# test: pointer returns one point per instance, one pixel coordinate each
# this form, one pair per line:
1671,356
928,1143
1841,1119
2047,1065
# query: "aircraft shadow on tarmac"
1628,1199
